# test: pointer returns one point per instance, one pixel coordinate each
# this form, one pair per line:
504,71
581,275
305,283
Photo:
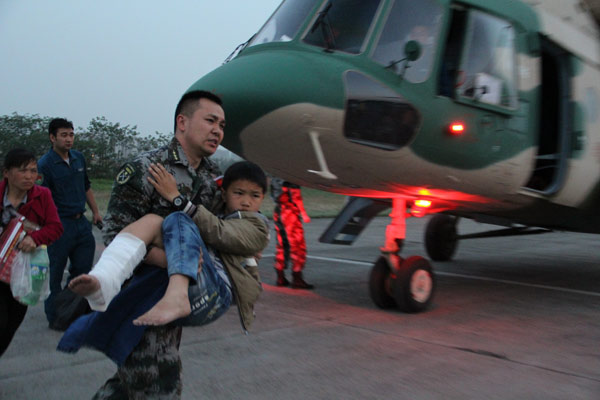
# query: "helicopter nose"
255,85
295,93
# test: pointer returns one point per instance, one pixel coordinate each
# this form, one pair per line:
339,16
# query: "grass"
318,204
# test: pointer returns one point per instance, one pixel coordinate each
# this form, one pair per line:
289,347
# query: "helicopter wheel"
414,285
441,238
379,284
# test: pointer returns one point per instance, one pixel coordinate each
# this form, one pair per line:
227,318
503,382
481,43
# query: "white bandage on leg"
115,265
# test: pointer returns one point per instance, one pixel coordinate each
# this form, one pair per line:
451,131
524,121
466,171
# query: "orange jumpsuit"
288,216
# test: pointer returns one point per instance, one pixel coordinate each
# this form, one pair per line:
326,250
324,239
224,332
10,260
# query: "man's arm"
91,201
128,201
296,197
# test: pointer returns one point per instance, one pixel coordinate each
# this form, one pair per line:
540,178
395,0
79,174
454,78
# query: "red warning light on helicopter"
419,208
456,128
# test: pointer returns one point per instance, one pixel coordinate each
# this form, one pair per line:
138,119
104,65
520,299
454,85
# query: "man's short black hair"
188,103
58,123
18,158
245,171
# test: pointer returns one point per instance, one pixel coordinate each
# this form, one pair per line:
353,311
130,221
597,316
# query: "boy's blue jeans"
208,293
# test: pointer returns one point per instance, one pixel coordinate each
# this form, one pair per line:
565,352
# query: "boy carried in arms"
202,279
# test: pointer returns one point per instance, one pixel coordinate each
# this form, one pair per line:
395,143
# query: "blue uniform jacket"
68,182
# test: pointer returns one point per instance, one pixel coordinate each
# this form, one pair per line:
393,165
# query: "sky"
127,60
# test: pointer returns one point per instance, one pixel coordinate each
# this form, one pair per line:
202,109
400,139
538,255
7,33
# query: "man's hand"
163,181
97,219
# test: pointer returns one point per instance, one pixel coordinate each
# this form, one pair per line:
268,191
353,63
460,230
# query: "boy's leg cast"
117,262
115,266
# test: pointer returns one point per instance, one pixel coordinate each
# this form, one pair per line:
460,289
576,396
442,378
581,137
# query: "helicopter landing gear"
441,237
408,284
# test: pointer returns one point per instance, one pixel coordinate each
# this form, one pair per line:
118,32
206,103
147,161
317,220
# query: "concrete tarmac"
512,318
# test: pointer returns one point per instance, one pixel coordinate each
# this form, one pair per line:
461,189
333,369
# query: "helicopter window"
376,116
488,67
408,21
285,22
343,25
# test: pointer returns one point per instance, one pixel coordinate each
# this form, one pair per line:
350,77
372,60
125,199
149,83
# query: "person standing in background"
63,171
288,215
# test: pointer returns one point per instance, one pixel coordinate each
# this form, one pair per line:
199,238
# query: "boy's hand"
163,181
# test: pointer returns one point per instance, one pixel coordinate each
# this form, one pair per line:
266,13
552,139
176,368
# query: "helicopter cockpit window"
285,22
489,64
409,20
342,25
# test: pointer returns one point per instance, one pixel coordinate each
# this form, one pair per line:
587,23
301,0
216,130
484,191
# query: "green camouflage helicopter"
481,109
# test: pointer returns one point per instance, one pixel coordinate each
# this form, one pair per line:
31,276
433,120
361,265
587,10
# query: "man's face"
63,141
243,195
203,132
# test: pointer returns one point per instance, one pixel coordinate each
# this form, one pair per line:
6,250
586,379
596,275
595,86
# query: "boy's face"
242,195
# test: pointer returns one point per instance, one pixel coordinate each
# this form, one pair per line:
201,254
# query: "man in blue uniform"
63,171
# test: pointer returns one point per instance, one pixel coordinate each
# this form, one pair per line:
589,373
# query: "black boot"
281,280
299,283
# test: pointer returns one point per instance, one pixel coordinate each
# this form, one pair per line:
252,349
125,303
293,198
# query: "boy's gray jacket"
236,240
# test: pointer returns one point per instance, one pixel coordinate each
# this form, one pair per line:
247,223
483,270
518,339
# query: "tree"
105,145
108,145
26,131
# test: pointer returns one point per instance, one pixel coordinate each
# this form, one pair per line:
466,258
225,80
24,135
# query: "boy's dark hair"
58,123
245,171
18,158
188,103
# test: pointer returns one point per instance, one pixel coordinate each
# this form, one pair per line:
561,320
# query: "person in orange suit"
288,215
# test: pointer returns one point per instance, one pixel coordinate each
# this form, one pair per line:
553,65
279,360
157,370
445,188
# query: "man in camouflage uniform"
153,369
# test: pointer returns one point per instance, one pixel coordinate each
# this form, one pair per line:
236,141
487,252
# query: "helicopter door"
553,134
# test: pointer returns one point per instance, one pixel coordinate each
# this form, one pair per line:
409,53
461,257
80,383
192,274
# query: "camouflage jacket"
133,196
153,369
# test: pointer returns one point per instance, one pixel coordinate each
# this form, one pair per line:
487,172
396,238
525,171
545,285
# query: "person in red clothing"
288,216
21,196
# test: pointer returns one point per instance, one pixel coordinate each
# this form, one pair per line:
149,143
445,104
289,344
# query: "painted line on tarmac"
475,277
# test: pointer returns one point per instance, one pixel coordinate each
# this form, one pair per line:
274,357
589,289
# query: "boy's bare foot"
171,307
84,285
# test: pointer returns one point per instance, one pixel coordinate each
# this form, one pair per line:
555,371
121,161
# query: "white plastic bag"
20,278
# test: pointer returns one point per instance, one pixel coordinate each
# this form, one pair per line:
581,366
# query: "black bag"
69,306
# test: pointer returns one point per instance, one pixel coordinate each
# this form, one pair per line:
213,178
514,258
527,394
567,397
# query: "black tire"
414,286
379,284
441,238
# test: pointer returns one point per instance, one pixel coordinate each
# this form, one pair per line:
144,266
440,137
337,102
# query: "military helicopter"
478,109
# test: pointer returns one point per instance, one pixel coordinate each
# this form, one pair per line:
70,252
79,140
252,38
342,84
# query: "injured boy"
203,279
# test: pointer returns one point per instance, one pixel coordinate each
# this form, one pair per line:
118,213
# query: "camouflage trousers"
151,372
